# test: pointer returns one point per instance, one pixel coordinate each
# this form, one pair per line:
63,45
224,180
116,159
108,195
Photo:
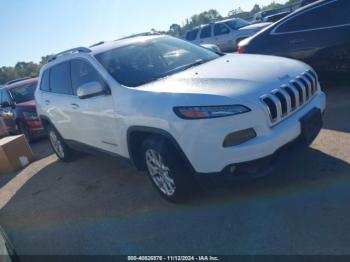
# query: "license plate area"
311,125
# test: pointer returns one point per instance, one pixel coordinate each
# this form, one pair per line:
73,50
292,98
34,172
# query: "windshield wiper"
184,67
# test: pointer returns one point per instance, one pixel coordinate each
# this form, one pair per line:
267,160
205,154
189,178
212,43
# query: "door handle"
47,102
74,106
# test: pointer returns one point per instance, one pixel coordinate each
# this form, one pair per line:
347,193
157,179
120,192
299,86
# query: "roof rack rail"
70,51
17,80
99,43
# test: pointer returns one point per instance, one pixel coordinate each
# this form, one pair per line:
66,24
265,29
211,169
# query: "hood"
27,105
234,76
257,26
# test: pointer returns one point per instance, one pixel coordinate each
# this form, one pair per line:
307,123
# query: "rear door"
223,37
58,98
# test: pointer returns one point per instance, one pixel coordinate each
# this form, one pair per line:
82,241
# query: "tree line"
31,69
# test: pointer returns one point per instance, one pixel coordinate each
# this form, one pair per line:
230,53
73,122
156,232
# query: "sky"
31,29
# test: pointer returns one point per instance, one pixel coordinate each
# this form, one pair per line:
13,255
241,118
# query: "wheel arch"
137,134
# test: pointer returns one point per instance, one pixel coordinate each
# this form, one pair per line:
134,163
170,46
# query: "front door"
93,118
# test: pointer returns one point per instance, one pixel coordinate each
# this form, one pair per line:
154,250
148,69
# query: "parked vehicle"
225,34
17,104
176,109
318,34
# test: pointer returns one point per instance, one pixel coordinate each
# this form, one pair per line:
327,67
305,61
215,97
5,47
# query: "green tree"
256,9
175,30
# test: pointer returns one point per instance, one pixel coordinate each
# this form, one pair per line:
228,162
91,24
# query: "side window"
6,97
206,32
192,35
221,29
82,72
326,15
1,96
60,79
45,81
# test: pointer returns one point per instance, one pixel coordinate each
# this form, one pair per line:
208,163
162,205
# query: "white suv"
176,109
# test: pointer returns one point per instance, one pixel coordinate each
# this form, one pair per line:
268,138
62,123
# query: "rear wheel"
59,146
166,170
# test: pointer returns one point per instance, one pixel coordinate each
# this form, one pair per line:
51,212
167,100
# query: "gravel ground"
102,205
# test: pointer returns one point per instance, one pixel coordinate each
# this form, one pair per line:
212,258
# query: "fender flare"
155,131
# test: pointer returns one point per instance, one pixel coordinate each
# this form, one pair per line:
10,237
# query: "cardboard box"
15,153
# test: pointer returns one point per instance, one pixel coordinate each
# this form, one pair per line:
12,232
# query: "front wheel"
166,170
59,146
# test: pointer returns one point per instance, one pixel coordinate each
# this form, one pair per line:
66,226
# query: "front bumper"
207,155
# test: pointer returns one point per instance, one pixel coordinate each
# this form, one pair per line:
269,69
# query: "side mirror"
90,89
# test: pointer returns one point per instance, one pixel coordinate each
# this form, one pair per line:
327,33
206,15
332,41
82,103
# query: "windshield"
23,94
237,23
141,63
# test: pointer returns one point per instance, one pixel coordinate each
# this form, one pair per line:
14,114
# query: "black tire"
58,145
177,169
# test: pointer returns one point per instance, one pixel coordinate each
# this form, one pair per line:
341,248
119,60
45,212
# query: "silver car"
225,34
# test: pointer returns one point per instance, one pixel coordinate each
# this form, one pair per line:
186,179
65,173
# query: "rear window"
237,23
60,79
23,94
192,35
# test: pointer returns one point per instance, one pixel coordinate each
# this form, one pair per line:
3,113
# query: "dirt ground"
102,205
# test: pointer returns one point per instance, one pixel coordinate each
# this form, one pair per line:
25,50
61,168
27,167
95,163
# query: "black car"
318,34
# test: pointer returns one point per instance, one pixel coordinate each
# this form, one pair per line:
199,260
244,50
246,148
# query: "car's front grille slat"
281,102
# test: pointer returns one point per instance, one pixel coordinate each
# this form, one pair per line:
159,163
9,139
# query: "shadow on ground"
102,206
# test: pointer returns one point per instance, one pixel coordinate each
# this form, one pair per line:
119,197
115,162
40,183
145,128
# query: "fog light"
239,137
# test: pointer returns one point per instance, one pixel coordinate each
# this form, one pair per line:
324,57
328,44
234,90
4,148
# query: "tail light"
241,50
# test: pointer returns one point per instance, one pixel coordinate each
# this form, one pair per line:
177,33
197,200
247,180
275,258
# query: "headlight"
30,116
204,112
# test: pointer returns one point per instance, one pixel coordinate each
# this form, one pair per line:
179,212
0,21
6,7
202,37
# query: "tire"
167,171
58,145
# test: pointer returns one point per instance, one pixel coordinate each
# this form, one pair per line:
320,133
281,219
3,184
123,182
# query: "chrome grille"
282,102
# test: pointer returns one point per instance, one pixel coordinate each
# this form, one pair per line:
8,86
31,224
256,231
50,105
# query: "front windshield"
141,63
23,93
237,23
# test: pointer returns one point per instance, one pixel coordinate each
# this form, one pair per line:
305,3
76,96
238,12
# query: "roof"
21,82
98,48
